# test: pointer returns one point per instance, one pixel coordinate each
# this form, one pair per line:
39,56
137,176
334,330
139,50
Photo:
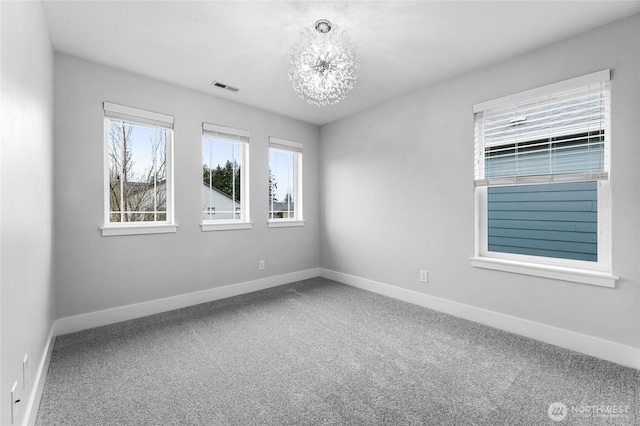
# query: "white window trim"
138,229
137,115
225,226
546,271
295,148
245,220
285,223
560,269
599,273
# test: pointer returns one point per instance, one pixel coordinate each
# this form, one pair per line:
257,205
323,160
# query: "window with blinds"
285,182
224,175
542,169
138,167
563,134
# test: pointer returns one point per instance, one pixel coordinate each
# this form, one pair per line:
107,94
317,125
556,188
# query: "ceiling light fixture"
324,62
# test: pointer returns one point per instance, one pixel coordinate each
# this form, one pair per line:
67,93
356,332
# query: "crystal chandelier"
323,64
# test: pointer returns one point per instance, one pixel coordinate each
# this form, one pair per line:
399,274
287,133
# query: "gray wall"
94,272
26,195
397,190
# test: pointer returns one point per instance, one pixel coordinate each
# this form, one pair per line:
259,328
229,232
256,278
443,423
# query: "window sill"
225,226
582,276
113,230
285,223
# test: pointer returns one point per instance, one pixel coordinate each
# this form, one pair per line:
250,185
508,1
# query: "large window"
542,181
138,171
285,183
225,168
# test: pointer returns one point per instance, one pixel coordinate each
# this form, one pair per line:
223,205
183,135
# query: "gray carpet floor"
317,352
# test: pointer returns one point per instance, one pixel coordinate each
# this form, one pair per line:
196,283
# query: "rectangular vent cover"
224,86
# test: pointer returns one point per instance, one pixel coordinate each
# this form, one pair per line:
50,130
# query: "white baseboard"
33,401
594,346
110,316
610,351
124,313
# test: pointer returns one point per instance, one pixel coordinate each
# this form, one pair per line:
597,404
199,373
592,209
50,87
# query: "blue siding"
551,220
570,154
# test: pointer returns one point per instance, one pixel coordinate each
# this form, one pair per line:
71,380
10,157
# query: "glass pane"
282,184
116,137
550,220
574,153
221,178
160,166
137,171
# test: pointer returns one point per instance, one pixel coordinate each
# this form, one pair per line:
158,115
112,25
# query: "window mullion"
211,156
123,176
153,173
272,187
233,179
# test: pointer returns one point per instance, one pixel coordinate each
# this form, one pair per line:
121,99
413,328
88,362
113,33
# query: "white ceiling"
403,45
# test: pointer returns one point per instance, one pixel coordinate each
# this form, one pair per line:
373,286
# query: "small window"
285,183
225,168
138,171
542,179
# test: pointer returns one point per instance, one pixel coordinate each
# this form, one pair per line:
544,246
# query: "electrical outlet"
424,276
14,401
25,372
261,265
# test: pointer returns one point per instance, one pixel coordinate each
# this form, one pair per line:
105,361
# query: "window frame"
244,222
295,149
595,273
146,118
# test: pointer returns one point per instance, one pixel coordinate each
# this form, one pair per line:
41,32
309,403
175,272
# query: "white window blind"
557,133
284,144
225,132
130,114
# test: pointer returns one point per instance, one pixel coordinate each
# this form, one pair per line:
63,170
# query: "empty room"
319,213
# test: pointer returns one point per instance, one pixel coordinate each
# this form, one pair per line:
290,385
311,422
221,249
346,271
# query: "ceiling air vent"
224,86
